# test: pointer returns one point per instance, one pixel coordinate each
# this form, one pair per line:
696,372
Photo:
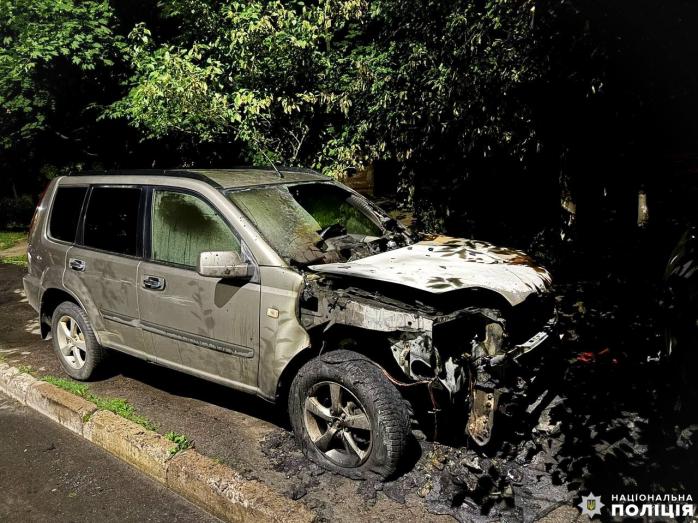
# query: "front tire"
348,417
75,343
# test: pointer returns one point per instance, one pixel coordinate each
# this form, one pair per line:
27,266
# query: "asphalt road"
48,473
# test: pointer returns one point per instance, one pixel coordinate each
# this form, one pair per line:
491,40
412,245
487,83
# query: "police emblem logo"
591,505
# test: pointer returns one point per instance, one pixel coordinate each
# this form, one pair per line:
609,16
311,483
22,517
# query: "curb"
212,486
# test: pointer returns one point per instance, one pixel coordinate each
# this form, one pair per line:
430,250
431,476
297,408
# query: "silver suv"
290,286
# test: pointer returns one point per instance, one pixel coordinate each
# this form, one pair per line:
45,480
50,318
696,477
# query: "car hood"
446,264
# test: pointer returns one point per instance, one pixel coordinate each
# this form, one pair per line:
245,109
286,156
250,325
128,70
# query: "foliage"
446,90
15,213
263,73
46,44
341,82
181,442
459,100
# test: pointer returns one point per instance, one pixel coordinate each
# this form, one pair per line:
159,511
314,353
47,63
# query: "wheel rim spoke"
352,446
319,410
76,354
65,328
336,397
323,442
67,350
71,342
358,421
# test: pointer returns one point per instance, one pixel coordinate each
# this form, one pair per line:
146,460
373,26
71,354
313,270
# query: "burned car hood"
446,264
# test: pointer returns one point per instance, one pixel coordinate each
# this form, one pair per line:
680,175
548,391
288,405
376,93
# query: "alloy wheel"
71,341
338,424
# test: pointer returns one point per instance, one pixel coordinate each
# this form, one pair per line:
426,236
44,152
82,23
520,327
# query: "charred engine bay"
600,415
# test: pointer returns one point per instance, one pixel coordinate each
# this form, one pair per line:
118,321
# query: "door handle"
77,265
154,283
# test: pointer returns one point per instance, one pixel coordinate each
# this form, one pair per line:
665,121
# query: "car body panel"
207,324
446,264
108,282
282,336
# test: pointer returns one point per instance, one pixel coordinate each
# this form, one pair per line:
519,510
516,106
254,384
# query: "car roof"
222,178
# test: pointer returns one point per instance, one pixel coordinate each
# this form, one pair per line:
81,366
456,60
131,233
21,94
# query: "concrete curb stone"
226,494
69,410
6,374
144,449
16,384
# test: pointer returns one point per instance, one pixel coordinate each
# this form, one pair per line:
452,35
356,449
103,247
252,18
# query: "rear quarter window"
65,213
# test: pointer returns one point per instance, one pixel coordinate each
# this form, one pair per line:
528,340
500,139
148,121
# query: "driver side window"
183,225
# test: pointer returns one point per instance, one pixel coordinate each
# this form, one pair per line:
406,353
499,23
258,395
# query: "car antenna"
268,159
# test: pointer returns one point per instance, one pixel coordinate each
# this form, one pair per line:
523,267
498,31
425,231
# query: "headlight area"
481,366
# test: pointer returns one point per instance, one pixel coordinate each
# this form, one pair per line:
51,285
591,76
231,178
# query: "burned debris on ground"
604,415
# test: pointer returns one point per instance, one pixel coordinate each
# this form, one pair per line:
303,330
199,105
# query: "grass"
79,389
118,406
122,408
15,260
181,442
25,369
10,239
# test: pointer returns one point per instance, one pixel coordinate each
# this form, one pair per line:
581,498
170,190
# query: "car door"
103,265
205,326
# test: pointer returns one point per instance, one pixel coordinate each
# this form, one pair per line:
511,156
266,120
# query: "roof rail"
179,173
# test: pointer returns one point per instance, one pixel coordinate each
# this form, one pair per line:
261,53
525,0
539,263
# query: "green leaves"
337,83
263,75
43,40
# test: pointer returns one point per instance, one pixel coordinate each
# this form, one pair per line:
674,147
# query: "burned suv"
290,286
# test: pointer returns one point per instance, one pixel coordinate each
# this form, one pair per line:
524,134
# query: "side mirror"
223,264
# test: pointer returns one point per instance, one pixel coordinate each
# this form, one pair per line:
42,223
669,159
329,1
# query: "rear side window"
66,212
184,226
111,220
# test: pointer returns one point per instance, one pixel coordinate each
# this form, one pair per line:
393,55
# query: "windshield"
299,220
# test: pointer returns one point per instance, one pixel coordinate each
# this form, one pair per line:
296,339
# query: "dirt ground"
601,417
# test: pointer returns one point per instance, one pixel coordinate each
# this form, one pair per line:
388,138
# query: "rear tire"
348,417
75,343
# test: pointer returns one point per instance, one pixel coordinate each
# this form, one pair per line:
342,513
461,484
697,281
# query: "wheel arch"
374,345
50,299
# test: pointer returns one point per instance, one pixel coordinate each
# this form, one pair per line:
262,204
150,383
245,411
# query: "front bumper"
541,338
